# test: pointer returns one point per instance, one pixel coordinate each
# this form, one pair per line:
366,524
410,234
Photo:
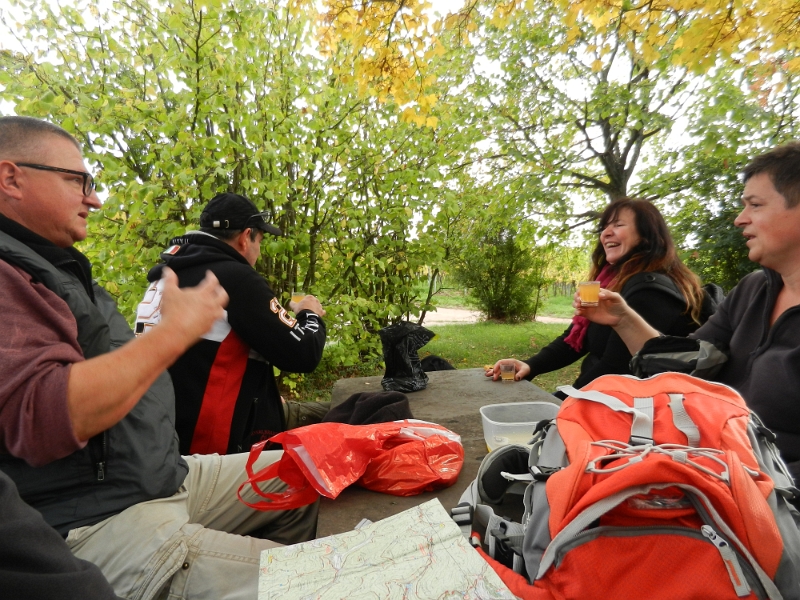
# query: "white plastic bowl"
513,422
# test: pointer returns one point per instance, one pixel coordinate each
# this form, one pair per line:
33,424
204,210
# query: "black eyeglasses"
88,180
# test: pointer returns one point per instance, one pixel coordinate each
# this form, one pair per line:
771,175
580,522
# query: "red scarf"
581,324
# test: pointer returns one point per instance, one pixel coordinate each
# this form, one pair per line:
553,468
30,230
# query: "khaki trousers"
299,414
191,546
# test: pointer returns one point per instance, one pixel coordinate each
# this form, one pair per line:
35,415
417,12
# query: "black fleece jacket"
35,561
226,397
605,352
764,361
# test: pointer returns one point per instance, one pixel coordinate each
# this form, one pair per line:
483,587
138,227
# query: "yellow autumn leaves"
700,30
391,43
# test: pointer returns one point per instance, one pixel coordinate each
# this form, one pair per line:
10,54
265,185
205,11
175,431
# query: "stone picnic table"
452,399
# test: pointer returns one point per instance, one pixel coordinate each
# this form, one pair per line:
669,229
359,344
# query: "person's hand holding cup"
507,369
507,372
302,301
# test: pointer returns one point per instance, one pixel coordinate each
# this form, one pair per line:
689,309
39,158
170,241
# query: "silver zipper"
729,559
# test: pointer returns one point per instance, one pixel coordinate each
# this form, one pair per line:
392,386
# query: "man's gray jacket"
135,460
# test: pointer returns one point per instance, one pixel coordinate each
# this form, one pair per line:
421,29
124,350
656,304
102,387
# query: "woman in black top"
633,238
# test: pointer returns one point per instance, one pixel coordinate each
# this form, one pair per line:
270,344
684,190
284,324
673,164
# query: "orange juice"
589,292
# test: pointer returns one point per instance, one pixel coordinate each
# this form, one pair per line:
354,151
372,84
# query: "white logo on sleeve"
148,313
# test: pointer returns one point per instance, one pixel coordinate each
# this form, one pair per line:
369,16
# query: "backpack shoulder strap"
713,295
652,280
641,411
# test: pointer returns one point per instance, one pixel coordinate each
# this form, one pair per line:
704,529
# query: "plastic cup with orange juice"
507,373
589,292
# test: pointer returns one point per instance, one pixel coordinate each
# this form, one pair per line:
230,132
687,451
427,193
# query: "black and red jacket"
226,398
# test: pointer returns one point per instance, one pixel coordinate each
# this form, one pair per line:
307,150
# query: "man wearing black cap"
226,395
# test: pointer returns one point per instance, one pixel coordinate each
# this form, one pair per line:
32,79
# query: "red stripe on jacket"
213,429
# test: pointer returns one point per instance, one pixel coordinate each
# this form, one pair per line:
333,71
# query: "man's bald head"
22,138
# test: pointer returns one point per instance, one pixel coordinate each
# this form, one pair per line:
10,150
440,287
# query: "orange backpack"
667,487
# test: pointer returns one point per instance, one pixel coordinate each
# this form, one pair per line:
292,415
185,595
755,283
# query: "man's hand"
307,303
103,389
190,312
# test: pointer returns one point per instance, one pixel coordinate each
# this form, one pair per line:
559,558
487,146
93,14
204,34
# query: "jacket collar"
195,248
68,259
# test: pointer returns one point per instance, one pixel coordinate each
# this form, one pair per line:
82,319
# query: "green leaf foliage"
175,102
499,261
577,112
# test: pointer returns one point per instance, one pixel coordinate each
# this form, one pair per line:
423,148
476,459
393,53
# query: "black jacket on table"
226,397
605,352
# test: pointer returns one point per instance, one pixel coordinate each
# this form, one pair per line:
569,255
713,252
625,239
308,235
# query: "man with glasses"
87,410
225,390
88,185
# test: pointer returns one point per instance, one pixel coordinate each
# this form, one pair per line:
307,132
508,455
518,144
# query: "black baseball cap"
232,211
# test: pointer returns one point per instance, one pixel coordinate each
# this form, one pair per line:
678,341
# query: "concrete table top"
451,399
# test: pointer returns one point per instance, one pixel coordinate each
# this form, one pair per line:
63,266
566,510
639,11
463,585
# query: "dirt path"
450,316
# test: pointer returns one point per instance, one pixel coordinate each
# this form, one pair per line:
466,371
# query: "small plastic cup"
507,373
589,292
298,295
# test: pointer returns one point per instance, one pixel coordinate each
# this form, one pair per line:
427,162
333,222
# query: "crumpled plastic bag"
402,458
401,342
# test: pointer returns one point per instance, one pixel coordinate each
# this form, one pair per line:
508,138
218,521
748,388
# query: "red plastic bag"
402,458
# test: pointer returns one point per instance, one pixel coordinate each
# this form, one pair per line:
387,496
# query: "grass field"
554,306
447,298
558,306
465,347
475,345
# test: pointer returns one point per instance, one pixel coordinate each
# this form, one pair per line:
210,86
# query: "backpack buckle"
462,514
790,493
768,434
640,441
507,551
543,473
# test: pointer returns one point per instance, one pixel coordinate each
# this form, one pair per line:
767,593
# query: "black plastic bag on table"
401,342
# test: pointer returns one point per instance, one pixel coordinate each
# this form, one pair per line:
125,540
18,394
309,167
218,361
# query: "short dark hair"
782,164
229,234
20,137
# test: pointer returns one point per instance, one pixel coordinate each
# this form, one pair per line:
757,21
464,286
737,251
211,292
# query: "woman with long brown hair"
633,238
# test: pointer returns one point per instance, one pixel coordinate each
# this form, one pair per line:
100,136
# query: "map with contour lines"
418,554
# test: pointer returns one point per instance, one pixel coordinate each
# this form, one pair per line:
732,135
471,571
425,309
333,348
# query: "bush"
504,273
